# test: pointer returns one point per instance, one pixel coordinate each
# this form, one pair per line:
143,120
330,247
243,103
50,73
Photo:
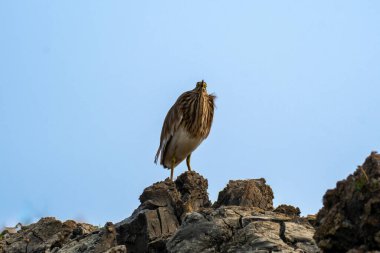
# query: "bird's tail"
157,155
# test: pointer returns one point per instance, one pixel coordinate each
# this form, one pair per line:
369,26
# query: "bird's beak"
204,85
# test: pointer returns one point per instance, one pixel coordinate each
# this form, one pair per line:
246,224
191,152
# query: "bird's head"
201,86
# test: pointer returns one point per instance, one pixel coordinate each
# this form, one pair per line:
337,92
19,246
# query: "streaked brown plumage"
186,125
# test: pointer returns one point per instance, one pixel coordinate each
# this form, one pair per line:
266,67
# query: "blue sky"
85,86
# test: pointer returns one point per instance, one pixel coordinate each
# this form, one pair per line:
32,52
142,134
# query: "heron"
186,125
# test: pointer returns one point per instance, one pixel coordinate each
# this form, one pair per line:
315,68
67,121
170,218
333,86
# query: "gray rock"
300,235
117,249
295,232
241,229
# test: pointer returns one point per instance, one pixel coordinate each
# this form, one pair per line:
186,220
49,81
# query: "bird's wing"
172,122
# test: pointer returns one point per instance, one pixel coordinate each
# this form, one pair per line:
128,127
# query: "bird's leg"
172,169
188,162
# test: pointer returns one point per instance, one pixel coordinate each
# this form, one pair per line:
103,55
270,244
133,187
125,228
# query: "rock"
178,217
188,193
46,235
250,193
288,210
241,229
117,249
312,219
193,190
350,217
300,235
163,205
97,242
161,194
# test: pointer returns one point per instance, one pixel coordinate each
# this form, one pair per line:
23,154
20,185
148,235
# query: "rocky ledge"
179,217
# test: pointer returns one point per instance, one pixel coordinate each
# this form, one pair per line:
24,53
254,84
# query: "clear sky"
85,86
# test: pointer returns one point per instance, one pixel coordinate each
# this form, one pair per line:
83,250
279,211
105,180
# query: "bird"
186,125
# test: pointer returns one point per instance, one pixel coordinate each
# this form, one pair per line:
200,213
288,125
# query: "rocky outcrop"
242,229
178,217
250,193
242,221
51,235
350,217
101,240
163,205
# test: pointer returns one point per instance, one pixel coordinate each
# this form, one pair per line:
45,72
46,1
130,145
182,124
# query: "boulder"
163,205
350,217
288,209
193,190
250,193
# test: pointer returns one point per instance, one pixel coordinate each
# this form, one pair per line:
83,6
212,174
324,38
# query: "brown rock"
177,217
350,217
161,194
288,210
96,242
312,219
193,190
44,236
250,193
162,206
